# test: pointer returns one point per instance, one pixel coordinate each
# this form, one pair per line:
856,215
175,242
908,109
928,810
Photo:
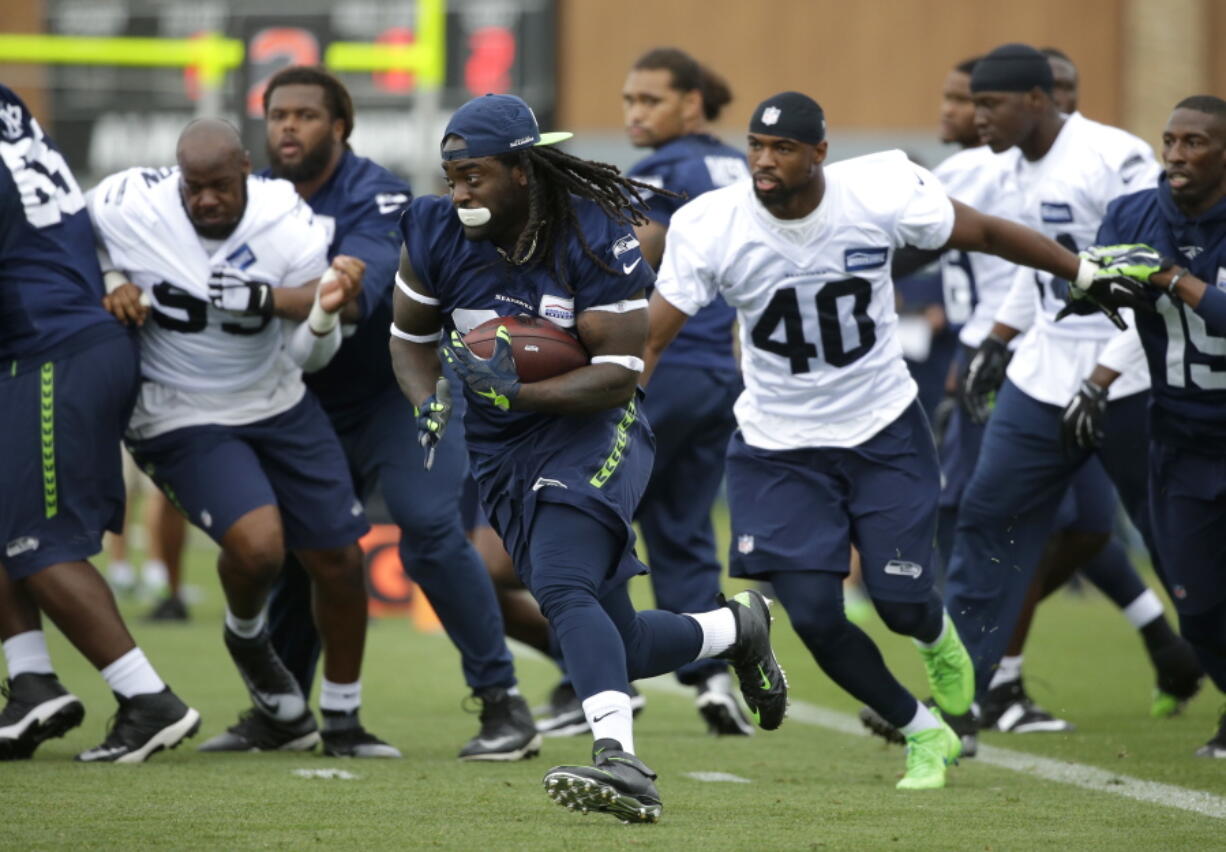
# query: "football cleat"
763,683
170,609
39,708
144,725
965,726
257,731
563,715
507,730
929,754
1008,708
720,709
344,736
1216,747
273,690
618,783
1179,678
951,675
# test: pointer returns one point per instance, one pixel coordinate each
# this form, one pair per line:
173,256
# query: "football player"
667,101
560,463
224,424
309,117
70,378
833,447
1184,340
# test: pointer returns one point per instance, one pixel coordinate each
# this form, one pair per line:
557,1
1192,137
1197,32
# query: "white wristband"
320,321
1085,274
630,362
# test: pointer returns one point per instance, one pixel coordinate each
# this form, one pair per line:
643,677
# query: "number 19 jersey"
822,363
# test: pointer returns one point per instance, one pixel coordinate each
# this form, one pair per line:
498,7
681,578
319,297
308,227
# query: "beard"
314,162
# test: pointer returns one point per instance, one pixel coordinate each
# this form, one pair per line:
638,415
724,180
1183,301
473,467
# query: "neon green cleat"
1165,705
928,754
950,672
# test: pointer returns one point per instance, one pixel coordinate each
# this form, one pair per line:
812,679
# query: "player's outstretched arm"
664,320
975,231
417,327
609,381
296,303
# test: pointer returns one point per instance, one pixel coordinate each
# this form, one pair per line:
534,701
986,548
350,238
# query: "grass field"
810,785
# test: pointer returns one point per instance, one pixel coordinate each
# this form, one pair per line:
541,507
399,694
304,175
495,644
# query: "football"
541,349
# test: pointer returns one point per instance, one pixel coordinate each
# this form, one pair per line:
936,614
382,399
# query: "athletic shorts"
293,460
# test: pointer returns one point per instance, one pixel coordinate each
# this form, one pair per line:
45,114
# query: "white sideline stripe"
1046,768
327,774
717,776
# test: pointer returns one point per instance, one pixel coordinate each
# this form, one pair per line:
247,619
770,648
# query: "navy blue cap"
496,124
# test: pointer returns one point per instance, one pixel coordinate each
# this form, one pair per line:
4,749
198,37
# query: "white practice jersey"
815,301
975,283
202,364
1065,196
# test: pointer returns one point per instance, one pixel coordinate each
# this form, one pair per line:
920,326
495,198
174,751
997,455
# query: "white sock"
132,674
1009,670
611,718
154,574
26,653
248,628
1144,609
718,631
923,720
940,636
340,697
121,573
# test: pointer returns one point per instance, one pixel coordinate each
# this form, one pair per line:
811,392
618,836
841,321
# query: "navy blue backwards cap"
791,115
496,124
1012,68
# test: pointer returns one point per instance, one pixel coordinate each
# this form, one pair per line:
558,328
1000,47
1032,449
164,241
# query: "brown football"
541,349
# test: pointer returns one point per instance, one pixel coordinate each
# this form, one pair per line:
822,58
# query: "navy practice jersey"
50,282
474,283
1187,361
694,164
360,206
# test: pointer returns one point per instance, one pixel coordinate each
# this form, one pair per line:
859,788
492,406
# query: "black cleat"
720,709
965,726
1179,678
344,736
144,725
563,715
618,784
1008,708
273,690
170,609
39,708
507,730
256,731
764,686
1216,747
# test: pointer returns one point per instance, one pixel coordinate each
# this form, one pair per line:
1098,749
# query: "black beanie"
791,115
1012,68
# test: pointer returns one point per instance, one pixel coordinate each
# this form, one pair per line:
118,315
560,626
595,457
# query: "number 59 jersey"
814,297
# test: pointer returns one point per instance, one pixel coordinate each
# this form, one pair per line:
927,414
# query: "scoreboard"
108,117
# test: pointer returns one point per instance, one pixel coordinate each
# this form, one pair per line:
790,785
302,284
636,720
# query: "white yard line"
1046,768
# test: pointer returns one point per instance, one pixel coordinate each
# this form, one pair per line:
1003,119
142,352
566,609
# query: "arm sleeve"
1018,308
927,218
378,244
1124,352
310,351
1212,309
686,279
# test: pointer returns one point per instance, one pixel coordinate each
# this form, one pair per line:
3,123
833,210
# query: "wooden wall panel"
872,64
28,81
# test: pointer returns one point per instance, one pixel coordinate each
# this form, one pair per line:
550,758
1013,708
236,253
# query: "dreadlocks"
553,177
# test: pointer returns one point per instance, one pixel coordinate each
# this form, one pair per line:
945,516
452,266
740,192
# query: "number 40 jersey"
814,297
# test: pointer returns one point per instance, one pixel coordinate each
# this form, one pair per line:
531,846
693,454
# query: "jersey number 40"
784,309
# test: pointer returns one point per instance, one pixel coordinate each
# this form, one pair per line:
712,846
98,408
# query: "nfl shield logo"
770,115
744,543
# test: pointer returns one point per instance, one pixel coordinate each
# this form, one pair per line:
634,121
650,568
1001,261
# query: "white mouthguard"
473,217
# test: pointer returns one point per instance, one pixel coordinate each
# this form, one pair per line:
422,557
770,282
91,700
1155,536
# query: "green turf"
811,788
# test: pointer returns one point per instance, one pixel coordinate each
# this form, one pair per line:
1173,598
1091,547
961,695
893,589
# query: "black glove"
984,378
1081,425
494,379
230,290
432,417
